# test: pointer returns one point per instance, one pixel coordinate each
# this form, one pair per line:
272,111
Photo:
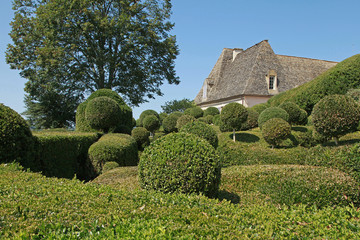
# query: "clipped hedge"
196,112
183,120
234,115
146,113
337,80
113,147
211,111
275,130
251,121
141,136
151,123
64,154
336,115
180,162
260,107
272,112
202,130
16,142
293,110
169,123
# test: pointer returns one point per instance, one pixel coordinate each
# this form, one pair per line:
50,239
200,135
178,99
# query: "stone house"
253,75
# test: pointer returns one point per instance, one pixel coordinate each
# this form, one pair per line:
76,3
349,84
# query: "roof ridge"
281,55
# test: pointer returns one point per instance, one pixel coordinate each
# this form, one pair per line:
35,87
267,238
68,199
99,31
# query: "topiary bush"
211,111
196,112
113,147
202,130
180,162
303,118
16,142
146,113
252,120
293,110
102,113
275,130
109,166
272,112
354,94
234,115
183,120
335,116
141,136
217,120
151,123
260,107
169,123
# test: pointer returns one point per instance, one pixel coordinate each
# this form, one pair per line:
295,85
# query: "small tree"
293,110
234,115
275,131
151,123
335,116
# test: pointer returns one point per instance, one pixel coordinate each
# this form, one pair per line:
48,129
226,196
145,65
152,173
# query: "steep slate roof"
245,75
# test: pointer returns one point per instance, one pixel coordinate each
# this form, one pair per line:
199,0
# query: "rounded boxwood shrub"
234,115
202,130
183,120
145,114
15,136
113,147
260,107
275,130
196,112
293,110
169,123
225,128
354,94
109,166
217,120
336,115
211,111
180,162
303,118
272,112
252,120
102,113
141,136
151,123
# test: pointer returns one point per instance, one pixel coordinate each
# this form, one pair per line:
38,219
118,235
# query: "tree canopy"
72,48
177,105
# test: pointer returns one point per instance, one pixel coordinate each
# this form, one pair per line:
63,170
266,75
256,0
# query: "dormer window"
271,82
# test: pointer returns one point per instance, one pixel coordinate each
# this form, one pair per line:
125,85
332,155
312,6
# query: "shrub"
224,127
141,136
64,154
305,139
336,115
252,120
113,147
208,119
162,116
337,80
151,123
234,115
293,110
211,111
183,120
169,123
145,114
303,118
102,113
272,112
109,166
15,136
196,112
275,130
217,120
260,107
82,125
354,94
180,162
202,130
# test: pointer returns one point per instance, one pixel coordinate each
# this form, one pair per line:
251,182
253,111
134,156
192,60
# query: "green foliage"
110,166
337,80
113,147
73,47
211,111
202,130
224,127
217,120
180,162
169,123
303,118
145,114
63,154
65,209
354,94
102,113
251,121
260,107
275,130
15,136
305,139
336,115
196,112
234,115
162,116
183,120
272,112
123,121
177,105
151,123
141,136
293,110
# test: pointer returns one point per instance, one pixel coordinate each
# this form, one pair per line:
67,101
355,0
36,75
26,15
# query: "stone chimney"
236,51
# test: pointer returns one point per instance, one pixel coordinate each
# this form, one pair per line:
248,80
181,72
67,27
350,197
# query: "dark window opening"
271,82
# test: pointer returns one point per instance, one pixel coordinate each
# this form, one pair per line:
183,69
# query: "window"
271,82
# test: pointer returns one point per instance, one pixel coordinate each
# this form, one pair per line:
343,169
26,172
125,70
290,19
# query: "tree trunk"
336,140
234,138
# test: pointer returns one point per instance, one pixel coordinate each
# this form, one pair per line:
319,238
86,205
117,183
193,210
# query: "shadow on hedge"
232,197
299,129
245,137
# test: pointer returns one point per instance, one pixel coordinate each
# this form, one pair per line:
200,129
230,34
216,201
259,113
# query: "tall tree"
85,45
177,105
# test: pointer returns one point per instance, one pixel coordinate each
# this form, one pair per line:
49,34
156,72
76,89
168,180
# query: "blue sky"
318,29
